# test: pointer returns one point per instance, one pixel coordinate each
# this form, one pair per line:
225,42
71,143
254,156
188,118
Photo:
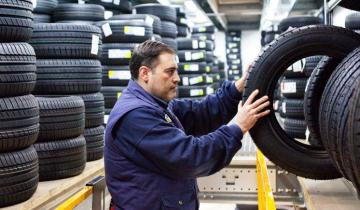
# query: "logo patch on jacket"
167,118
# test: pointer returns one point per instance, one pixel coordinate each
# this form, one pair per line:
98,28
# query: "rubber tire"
164,12
314,91
302,160
293,108
84,12
19,126
119,59
204,36
45,6
120,36
194,68
94,143
121,80
350,4
61,117
352,21
298,21
300,88
353,137
61,159
295,128
17,69
334,110
18,176
196,55
61,40
16,20
310,64
42,18
170,42
188,44
94,109
183,31
124,6
186,91
111,95
145,17
68,76
204,29
169,29
192,80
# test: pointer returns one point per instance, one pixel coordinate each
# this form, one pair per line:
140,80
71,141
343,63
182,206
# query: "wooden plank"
51,192
329,195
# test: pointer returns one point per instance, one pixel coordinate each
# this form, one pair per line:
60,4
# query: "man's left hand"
240,83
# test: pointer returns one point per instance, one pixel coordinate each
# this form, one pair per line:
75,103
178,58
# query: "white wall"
250,47
339,16
220,45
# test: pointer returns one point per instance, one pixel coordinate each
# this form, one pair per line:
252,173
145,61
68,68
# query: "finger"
262,114
240,104
252,97
259,101
262,106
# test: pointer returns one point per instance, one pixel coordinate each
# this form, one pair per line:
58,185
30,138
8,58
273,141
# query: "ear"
144,73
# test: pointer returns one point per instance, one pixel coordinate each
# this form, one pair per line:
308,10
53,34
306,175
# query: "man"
155,147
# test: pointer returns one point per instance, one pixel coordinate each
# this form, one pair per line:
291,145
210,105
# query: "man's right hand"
251,111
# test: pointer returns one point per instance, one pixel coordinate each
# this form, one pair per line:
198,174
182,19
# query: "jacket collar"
140,93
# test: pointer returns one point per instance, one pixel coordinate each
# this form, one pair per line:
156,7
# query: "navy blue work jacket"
154,151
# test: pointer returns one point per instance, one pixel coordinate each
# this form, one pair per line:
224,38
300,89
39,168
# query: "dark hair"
146,54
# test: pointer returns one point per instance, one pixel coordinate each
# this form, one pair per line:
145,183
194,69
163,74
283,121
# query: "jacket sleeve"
151,142
201,117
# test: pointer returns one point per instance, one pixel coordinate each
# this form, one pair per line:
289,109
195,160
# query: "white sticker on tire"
95,44
108,14
149,20
121,75
197,56
196,80
116,2
195,44
191,67
209,90
117,53
106,29
283,107
188,56
202,44
134,30
196,92
185,81
297,66
289,87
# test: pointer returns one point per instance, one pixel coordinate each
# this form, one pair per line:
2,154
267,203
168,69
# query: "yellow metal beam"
76,199
265,196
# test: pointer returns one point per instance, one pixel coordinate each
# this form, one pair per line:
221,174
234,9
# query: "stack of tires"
168,19
19,111
43,10
331,102
339,117
121,34
183,28
78,13
195,68
233,56
115,7
292,90
68,64
222,72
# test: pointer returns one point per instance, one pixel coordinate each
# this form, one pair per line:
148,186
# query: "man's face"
163,79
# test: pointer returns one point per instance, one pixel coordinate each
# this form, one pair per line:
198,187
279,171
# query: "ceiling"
237,15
